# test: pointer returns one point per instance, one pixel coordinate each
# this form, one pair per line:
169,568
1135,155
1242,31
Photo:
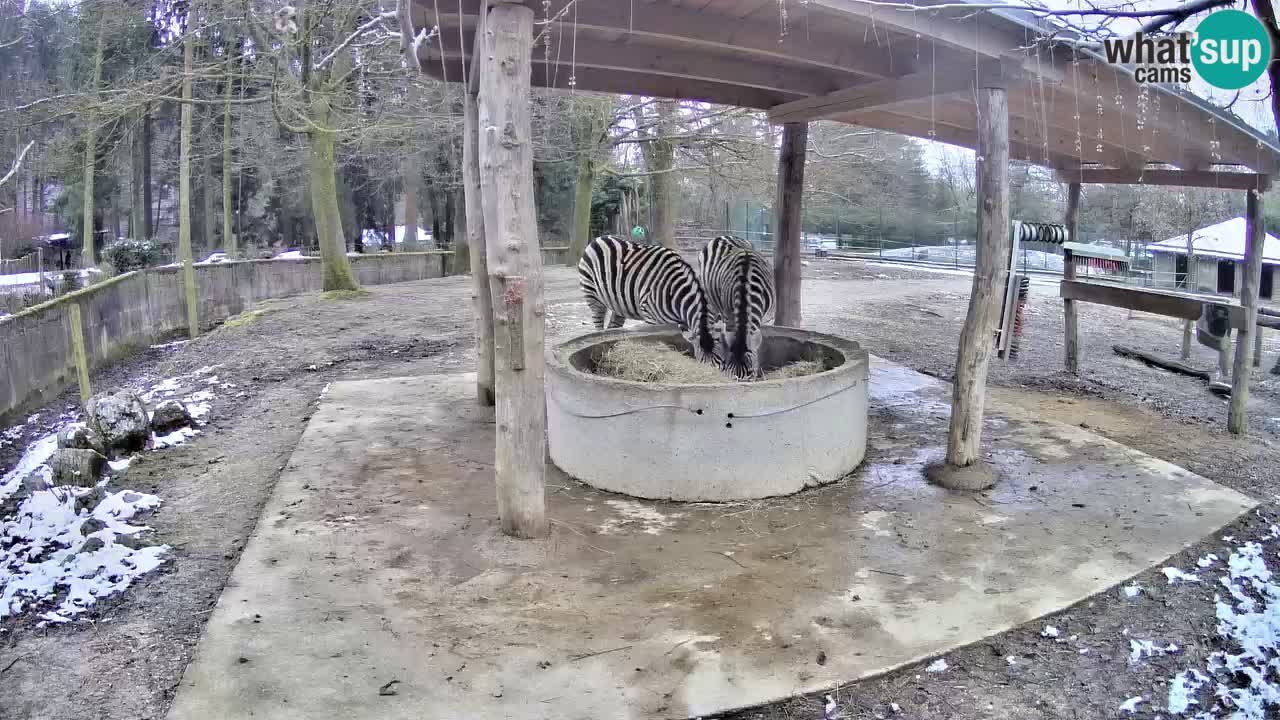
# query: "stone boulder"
121,420
168,416
1271,425
76,466
79,437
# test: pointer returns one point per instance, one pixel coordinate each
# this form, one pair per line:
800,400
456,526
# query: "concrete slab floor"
378,586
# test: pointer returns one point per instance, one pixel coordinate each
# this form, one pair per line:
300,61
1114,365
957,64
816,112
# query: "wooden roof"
906,72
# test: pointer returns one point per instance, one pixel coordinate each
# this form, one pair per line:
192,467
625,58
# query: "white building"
1219,255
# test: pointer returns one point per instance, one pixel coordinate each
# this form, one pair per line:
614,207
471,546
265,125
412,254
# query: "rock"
75,466
91,526
121,419
1271,425
92,544
88,501
79,437
133,542
168,416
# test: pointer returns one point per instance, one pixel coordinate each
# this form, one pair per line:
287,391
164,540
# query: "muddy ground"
125,659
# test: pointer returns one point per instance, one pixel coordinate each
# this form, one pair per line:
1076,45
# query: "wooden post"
786,248
40,270
515,268
977,339
1257,347
481,299
1071,342
79,354
1255,235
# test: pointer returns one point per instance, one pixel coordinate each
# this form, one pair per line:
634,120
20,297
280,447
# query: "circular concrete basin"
727,441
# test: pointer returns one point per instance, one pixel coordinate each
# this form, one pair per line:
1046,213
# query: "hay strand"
658,362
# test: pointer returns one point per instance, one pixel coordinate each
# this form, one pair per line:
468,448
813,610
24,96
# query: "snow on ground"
65,548
1175,576
19,280
1241,681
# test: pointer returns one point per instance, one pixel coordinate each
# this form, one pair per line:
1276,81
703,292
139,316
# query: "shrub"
125,255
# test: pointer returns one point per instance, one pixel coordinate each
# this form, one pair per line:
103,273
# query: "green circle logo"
1232,49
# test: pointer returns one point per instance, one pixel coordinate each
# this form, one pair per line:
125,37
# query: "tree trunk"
137,206
461,254
412,180
207,193
322,169
433,201
148,218
964,441
446,222
91,151
515,269
581,207
664,181
1237,413
1071,343
184,187
481,299
786,248
229,240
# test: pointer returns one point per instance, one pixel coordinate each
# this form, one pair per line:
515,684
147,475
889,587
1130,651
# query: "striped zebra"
739,284
649,283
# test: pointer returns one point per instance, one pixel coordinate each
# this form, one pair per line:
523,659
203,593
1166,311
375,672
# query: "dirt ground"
126,659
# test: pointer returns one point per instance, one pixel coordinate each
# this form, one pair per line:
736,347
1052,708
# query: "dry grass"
655,362
799,368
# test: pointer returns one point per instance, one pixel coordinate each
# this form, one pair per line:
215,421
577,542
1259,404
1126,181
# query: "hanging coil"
1048,233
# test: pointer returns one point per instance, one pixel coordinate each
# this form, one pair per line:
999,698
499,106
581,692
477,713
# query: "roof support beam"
1179,178
708,29
890,91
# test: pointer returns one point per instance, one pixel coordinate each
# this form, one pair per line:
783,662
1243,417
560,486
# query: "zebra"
739,283
649,283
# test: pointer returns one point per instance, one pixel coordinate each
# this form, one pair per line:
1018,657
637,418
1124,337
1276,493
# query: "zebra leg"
597,312
616,320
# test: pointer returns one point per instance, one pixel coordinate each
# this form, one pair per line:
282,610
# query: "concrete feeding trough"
709,442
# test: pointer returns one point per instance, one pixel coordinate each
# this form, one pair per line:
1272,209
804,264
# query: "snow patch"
937,666
1142,649
1182,690
1132,590
173,439
1130,706
36,455
46,556
1050,631
1174,576
648,518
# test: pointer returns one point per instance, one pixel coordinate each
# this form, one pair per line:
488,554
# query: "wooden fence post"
515,268
79,354
1071,342
1255,236
786,248
481,299
977,338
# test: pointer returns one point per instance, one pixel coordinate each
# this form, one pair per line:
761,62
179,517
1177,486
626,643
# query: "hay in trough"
799,368
655,362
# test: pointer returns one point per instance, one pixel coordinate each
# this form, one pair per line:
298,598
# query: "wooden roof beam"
1178,178
632,55
706,28
624,82
957,135
892,91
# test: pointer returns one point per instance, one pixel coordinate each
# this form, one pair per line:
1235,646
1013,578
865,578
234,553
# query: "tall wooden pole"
1071,343
786,248
977,339
1255,234
481,298
515,268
